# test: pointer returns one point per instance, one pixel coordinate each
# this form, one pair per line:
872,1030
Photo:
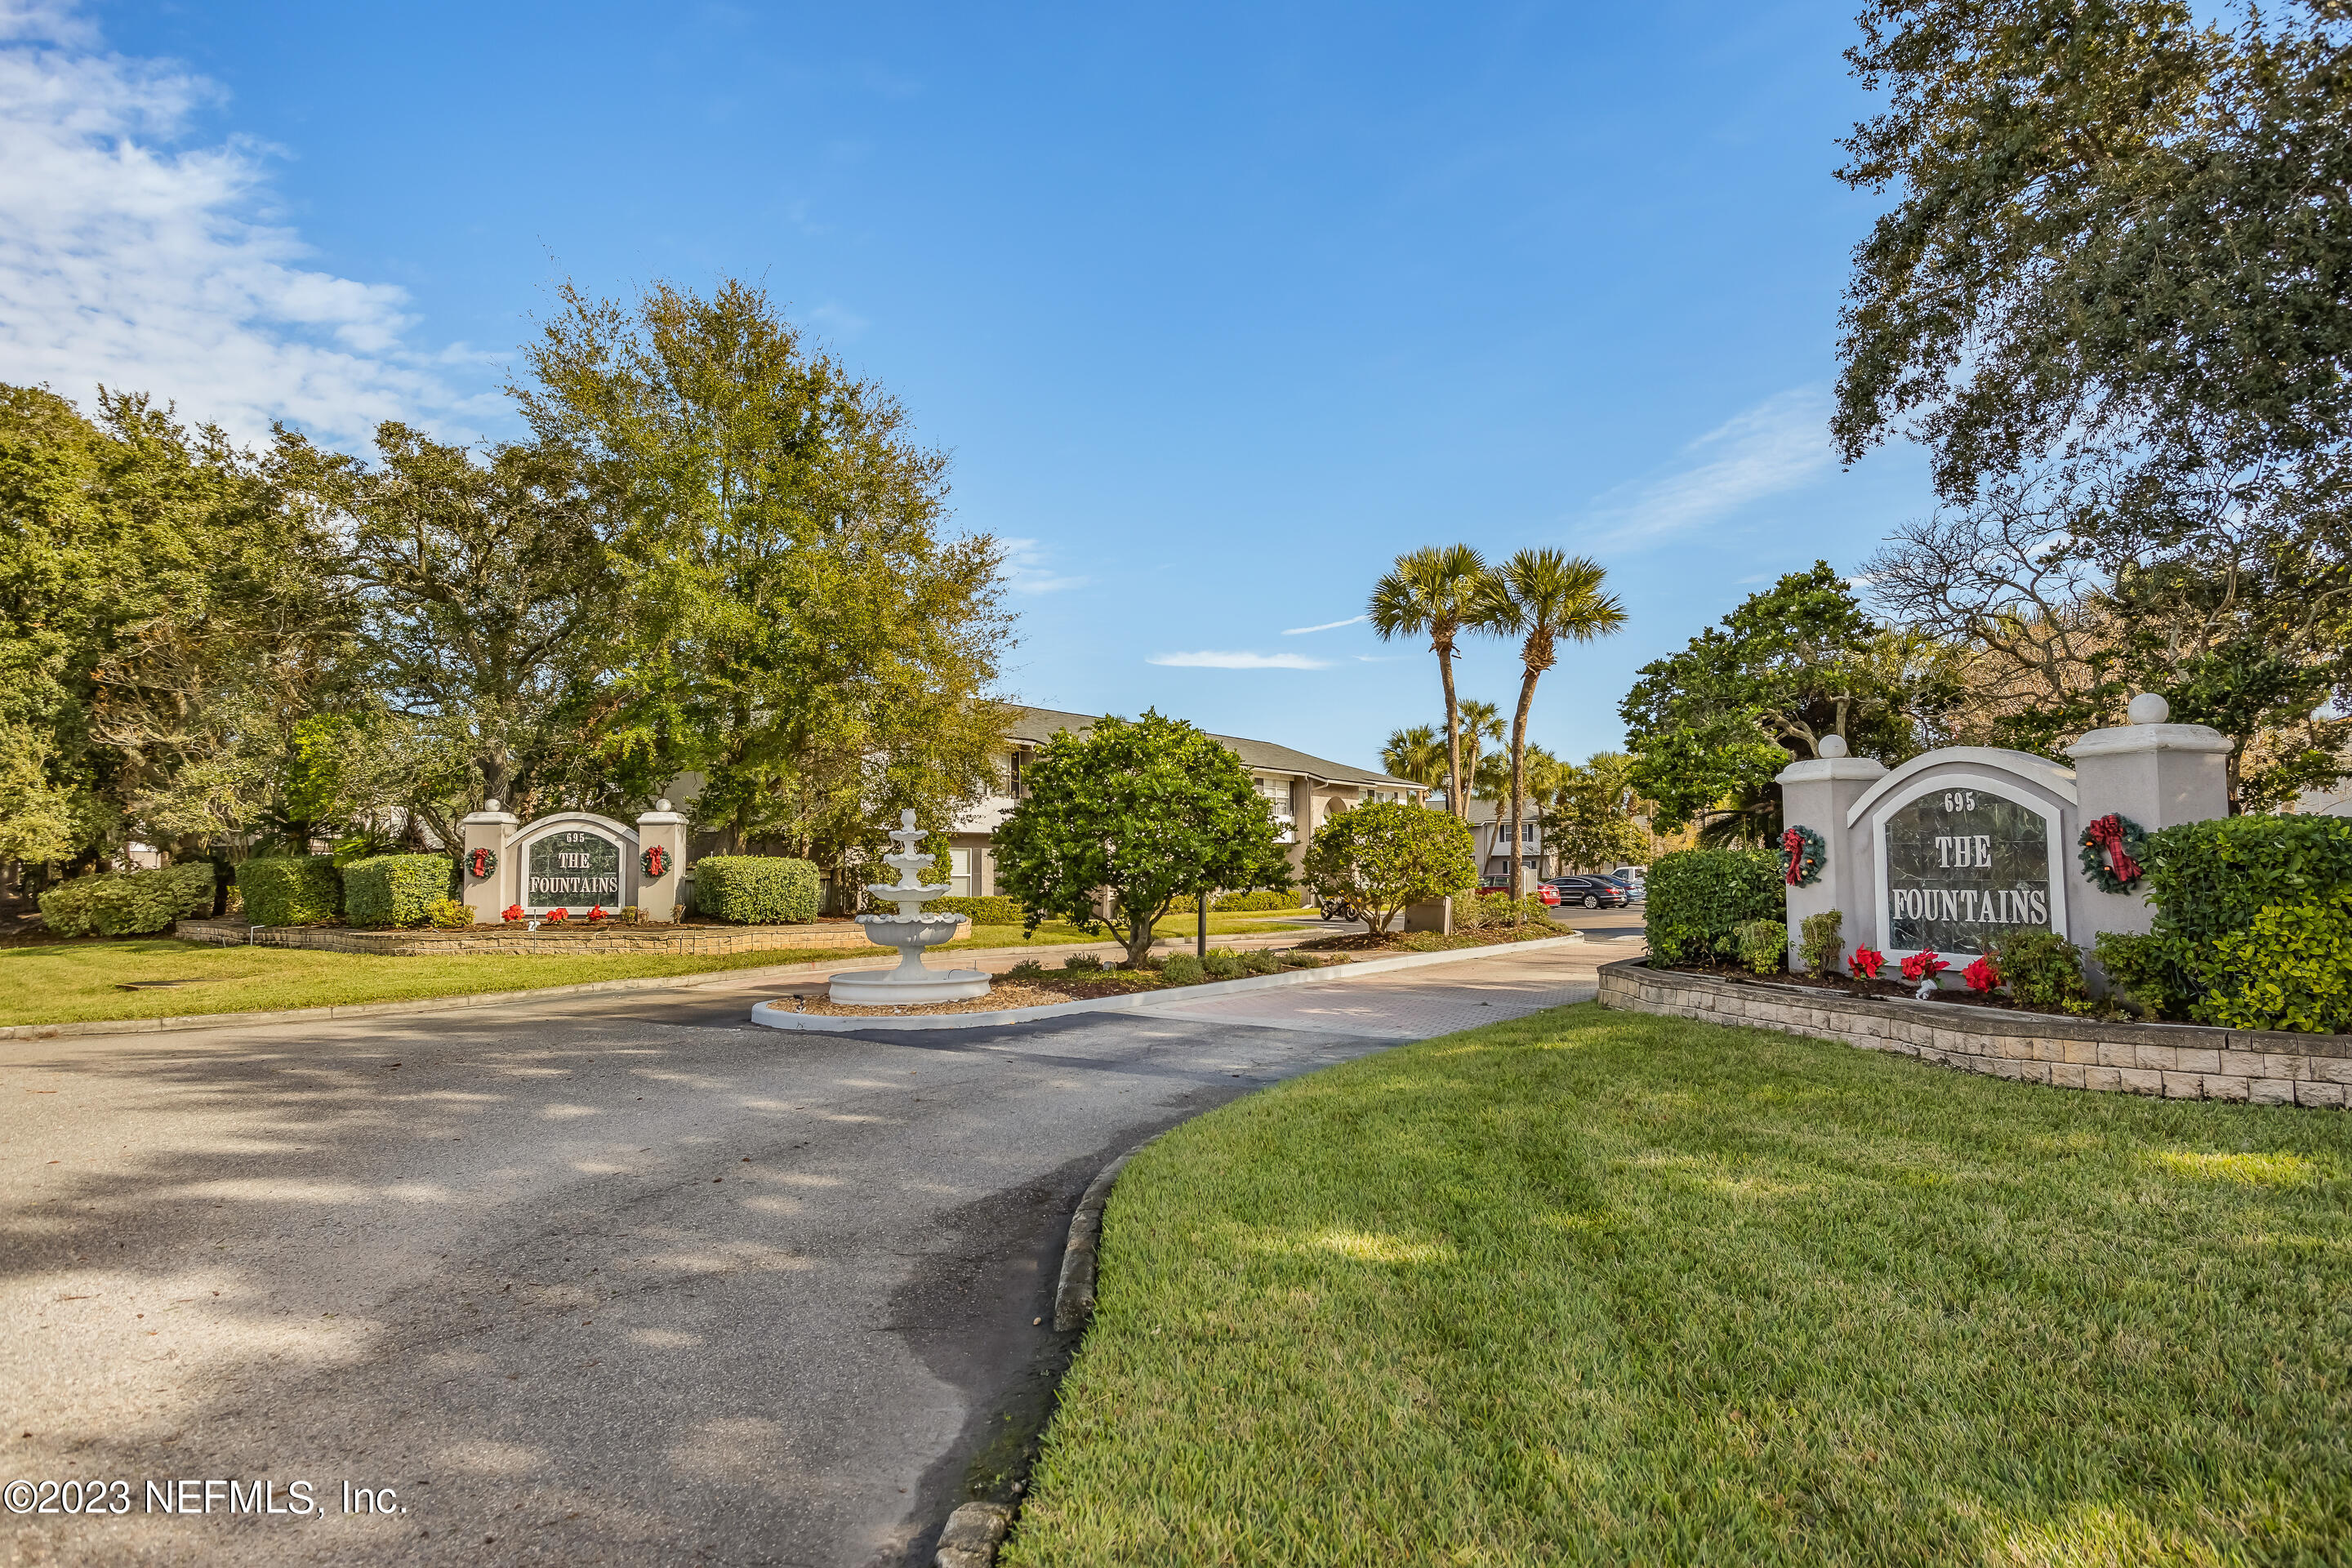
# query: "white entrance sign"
1954,850
577,868
1964,863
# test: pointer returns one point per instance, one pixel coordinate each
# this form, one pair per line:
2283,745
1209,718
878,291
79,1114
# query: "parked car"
1636,891
1592,892
1491,886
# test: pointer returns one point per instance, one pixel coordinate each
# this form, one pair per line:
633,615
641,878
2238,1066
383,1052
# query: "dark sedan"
1590,892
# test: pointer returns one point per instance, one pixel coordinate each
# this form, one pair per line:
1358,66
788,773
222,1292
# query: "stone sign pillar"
1817,795
661,839
2155,774
488,830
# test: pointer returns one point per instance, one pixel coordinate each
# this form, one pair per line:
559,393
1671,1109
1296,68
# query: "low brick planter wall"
604,941
2178,1061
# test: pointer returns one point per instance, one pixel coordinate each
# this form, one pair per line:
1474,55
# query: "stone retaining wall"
608,940
2178,1061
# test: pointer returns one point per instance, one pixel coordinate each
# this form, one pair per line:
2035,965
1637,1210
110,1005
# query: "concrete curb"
974,1533
774,1017
1074,1296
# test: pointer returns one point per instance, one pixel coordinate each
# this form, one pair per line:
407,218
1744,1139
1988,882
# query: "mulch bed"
1880,989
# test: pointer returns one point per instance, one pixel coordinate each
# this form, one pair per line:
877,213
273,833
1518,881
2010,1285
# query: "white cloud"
1326,626
1779,444
1027,571
1211,660
128,260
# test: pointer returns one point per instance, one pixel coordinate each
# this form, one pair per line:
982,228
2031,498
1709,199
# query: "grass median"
81,981
1596,1286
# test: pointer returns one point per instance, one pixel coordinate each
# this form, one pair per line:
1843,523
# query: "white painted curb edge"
1185,996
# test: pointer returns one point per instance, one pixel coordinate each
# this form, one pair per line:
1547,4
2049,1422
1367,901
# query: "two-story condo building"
1303,789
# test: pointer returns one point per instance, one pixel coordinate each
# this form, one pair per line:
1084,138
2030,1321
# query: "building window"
1018,792
963,872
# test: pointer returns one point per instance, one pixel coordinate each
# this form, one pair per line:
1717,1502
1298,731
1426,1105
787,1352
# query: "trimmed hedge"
1698,898
991,911
396,889
756,889
290,890
1241,903
2208,880
130,904
2250,916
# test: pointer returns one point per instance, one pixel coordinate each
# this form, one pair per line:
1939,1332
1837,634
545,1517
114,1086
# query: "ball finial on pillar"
1833,746
2147,708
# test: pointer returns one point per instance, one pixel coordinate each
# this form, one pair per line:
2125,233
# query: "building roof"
1036,726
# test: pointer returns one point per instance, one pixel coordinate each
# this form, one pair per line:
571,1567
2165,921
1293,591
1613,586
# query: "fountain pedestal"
913,982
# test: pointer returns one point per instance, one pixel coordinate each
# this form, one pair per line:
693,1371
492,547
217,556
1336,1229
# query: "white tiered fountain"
911,931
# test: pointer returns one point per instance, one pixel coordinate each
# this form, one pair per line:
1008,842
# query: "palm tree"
1540,596
1416,754
1481,722
1434,591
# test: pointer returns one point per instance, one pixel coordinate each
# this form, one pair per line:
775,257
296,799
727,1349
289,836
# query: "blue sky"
1217,308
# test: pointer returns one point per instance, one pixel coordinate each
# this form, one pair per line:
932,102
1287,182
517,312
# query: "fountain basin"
903,931
896,988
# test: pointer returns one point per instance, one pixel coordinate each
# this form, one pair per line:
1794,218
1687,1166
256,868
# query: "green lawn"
1596,1286
74,981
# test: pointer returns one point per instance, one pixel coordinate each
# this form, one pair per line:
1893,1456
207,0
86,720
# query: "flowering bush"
1866,963
556,916
1983,974
511,912
596,912
1923,966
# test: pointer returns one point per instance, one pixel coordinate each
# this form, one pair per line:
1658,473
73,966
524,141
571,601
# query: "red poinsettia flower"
555,915
1920,966
1866,962
596,912
511,912
1981,975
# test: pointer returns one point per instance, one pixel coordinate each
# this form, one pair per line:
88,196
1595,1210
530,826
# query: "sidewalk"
1418,1004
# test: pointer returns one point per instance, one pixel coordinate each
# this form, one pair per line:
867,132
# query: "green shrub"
1241,903
2150,969
1260,961
1184,969
1223,963
2042,969
1820,939
290,890
1083,963
756,889
1763,945
131,903
996,911
454,914
2208,879
396,889
1699,898
1294,958
2291,968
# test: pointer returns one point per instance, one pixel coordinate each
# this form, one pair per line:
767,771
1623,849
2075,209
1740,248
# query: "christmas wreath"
480,863
2111,848
655,860
1803,853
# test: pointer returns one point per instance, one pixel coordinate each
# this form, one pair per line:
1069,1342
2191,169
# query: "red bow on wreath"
2108,833
482,862
1792,848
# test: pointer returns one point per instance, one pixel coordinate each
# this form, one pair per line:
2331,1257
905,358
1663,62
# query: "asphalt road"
620,1279
631,1281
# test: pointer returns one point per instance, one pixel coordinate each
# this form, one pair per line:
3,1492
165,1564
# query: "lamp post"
1200,916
